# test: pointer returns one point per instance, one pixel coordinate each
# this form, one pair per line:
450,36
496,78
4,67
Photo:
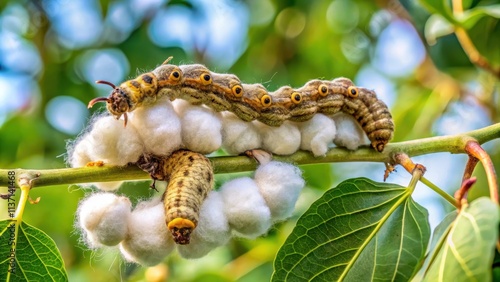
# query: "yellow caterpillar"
190,178
225,92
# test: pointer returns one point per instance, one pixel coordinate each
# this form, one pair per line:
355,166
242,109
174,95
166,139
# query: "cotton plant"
245,207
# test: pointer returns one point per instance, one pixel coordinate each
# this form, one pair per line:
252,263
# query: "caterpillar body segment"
190,179
374,117
225,92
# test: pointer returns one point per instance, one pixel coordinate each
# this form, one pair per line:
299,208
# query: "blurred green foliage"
285,43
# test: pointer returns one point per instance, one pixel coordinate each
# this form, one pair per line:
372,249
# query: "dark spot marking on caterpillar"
209,177
135,83
191,159
180,183
186,173
147,78
200,190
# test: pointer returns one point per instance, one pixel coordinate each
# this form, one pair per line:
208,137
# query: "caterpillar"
224,92
190,178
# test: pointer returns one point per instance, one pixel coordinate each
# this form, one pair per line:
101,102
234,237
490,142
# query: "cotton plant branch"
455,144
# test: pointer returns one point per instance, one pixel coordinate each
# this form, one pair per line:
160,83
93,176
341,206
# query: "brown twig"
469,167
461,194
476,151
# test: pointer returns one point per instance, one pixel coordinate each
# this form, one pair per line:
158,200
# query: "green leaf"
435,27
485,35
440,7
36,256
438,237
359,231
467,253
470,17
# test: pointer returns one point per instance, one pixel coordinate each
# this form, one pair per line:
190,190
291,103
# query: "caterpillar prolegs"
225,92
190,179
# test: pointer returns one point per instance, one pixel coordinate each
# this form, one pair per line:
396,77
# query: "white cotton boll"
108,141
158,126
201,127
239,136
79,153
316,134
148,241
349,132
282,140
113,143
245,208
180,106
280,184
212,230
104,219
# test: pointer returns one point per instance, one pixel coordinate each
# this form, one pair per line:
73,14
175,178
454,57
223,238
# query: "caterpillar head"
126,97
197,76
352,90
278,110
227,85
181,229
117,102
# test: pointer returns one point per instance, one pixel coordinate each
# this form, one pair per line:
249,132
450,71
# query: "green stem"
229,164
18,218
438,190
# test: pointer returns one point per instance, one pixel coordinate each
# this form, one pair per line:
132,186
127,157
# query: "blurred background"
52,52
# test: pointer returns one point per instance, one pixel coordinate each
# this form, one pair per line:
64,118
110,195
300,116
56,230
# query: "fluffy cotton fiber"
316,134
201,127
158,126
108,141
148,241
212,230
239,136
349,132
282,140
246,211
104,218
280,185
